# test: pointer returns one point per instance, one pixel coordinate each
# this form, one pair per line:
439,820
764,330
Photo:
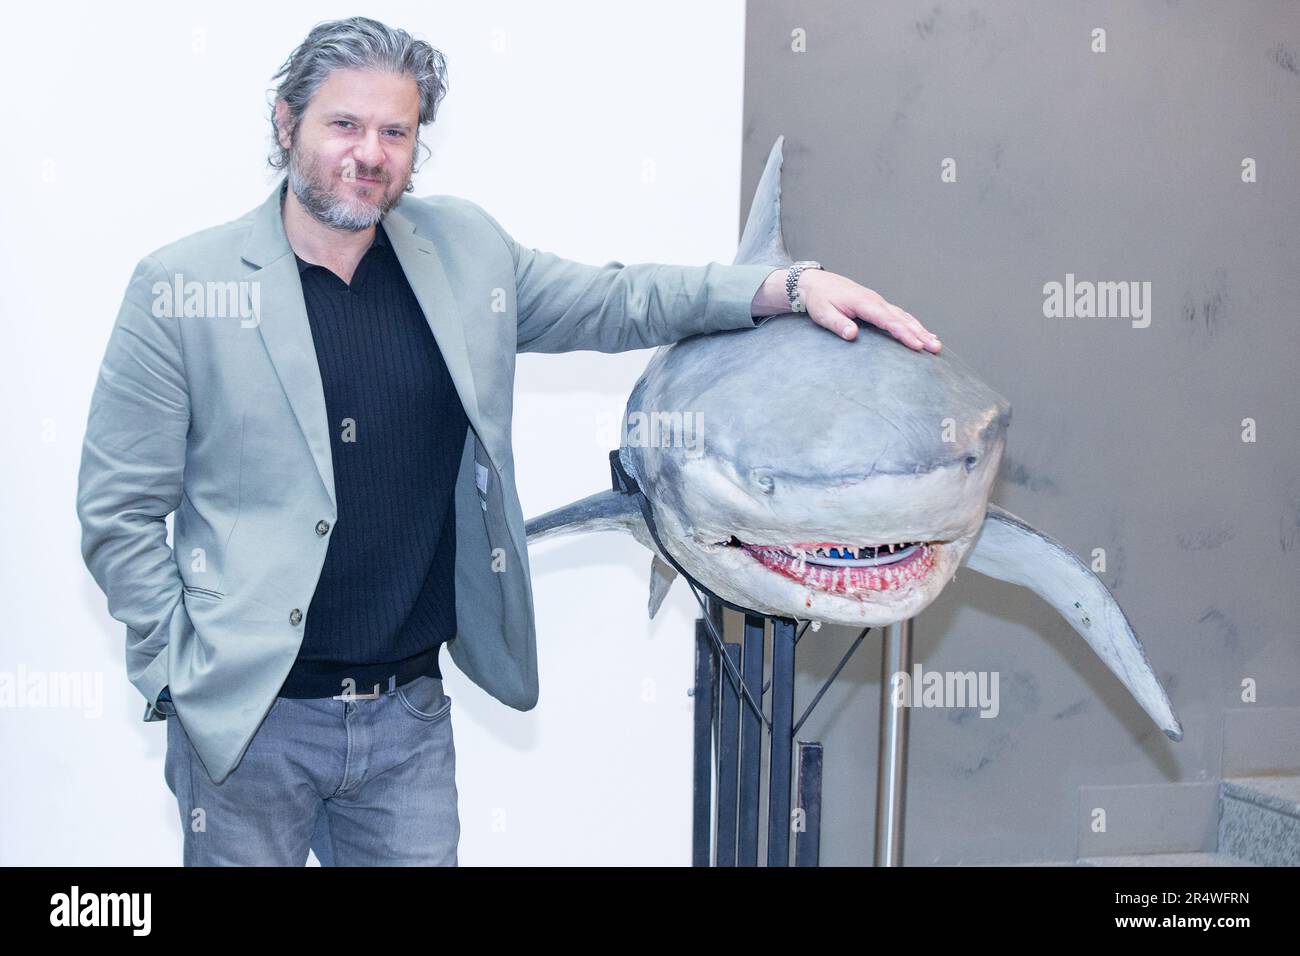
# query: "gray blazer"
209,404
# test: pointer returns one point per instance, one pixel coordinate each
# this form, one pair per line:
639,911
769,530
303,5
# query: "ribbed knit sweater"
386,596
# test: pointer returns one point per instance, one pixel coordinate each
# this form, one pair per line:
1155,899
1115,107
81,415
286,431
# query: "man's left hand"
834,301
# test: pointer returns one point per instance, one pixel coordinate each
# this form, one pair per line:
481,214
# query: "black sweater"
386,597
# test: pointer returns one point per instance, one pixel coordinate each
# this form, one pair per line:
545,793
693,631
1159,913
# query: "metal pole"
807,842
751,741
891,772
728,766
781,744
701,824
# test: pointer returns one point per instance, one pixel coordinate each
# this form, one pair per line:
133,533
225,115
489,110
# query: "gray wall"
1115,166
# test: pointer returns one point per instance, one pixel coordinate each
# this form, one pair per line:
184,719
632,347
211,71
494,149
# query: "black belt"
406,672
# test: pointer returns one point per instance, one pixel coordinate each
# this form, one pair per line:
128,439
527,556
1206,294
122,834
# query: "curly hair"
354,43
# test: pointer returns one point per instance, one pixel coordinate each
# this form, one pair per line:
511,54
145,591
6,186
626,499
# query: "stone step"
1166,859
1259,819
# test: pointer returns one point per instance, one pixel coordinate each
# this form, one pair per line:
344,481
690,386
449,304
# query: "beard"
314,187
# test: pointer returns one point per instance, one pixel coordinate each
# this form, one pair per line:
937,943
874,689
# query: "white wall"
595,131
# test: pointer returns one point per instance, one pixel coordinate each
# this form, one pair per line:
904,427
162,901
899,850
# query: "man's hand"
834,301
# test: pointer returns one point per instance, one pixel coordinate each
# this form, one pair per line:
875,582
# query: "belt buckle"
355,696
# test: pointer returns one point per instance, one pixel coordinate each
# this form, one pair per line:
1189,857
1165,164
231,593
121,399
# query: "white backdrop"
597,131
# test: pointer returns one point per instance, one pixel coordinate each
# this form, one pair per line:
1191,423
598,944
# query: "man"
335,445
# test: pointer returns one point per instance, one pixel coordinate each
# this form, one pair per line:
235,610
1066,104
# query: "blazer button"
295,616
322,527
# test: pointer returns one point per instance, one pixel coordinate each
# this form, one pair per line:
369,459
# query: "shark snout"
858,507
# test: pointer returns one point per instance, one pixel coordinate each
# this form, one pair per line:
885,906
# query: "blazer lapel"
428,280
286,330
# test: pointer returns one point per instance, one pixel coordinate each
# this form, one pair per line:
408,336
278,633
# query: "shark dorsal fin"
762,242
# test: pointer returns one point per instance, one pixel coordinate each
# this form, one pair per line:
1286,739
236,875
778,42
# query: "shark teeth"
840,555
865,557
890,569
830,554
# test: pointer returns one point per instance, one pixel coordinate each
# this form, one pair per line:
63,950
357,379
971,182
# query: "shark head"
799,474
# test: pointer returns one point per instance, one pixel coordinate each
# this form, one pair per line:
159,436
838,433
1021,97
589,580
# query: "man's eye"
342,123
397,131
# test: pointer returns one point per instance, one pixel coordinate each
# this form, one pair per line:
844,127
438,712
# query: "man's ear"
283,124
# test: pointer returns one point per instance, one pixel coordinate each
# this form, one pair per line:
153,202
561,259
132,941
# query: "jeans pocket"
424,698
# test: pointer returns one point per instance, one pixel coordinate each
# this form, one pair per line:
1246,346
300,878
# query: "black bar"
751,741
807,841
701,818
728,765
778,799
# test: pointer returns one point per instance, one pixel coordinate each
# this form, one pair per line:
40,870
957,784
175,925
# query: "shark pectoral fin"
606,511
1009,549
603,511
662,576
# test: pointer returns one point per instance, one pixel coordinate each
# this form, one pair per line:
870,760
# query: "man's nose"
369,152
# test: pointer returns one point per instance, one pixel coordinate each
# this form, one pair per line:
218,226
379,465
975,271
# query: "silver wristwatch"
792,283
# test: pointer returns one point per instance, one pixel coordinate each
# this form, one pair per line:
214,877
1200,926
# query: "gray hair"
357,43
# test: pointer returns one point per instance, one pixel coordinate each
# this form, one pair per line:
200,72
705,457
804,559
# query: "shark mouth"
848,570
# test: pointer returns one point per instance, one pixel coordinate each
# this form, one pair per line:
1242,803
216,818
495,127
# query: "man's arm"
132,461
564,306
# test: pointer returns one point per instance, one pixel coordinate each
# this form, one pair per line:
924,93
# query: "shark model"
794,474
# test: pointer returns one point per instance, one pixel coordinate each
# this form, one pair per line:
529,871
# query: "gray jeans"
361,782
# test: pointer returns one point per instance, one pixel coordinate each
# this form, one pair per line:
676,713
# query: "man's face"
354,151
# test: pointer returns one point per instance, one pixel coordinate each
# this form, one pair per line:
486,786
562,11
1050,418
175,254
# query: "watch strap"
797,303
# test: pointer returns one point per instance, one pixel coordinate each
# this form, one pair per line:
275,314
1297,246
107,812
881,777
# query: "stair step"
1260,819
1166,859
1045,863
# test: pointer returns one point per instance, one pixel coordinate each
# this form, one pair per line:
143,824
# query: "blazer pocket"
203,593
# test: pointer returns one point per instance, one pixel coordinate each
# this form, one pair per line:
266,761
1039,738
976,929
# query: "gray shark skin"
804,476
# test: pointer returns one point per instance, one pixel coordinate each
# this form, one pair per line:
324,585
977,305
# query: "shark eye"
971,462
